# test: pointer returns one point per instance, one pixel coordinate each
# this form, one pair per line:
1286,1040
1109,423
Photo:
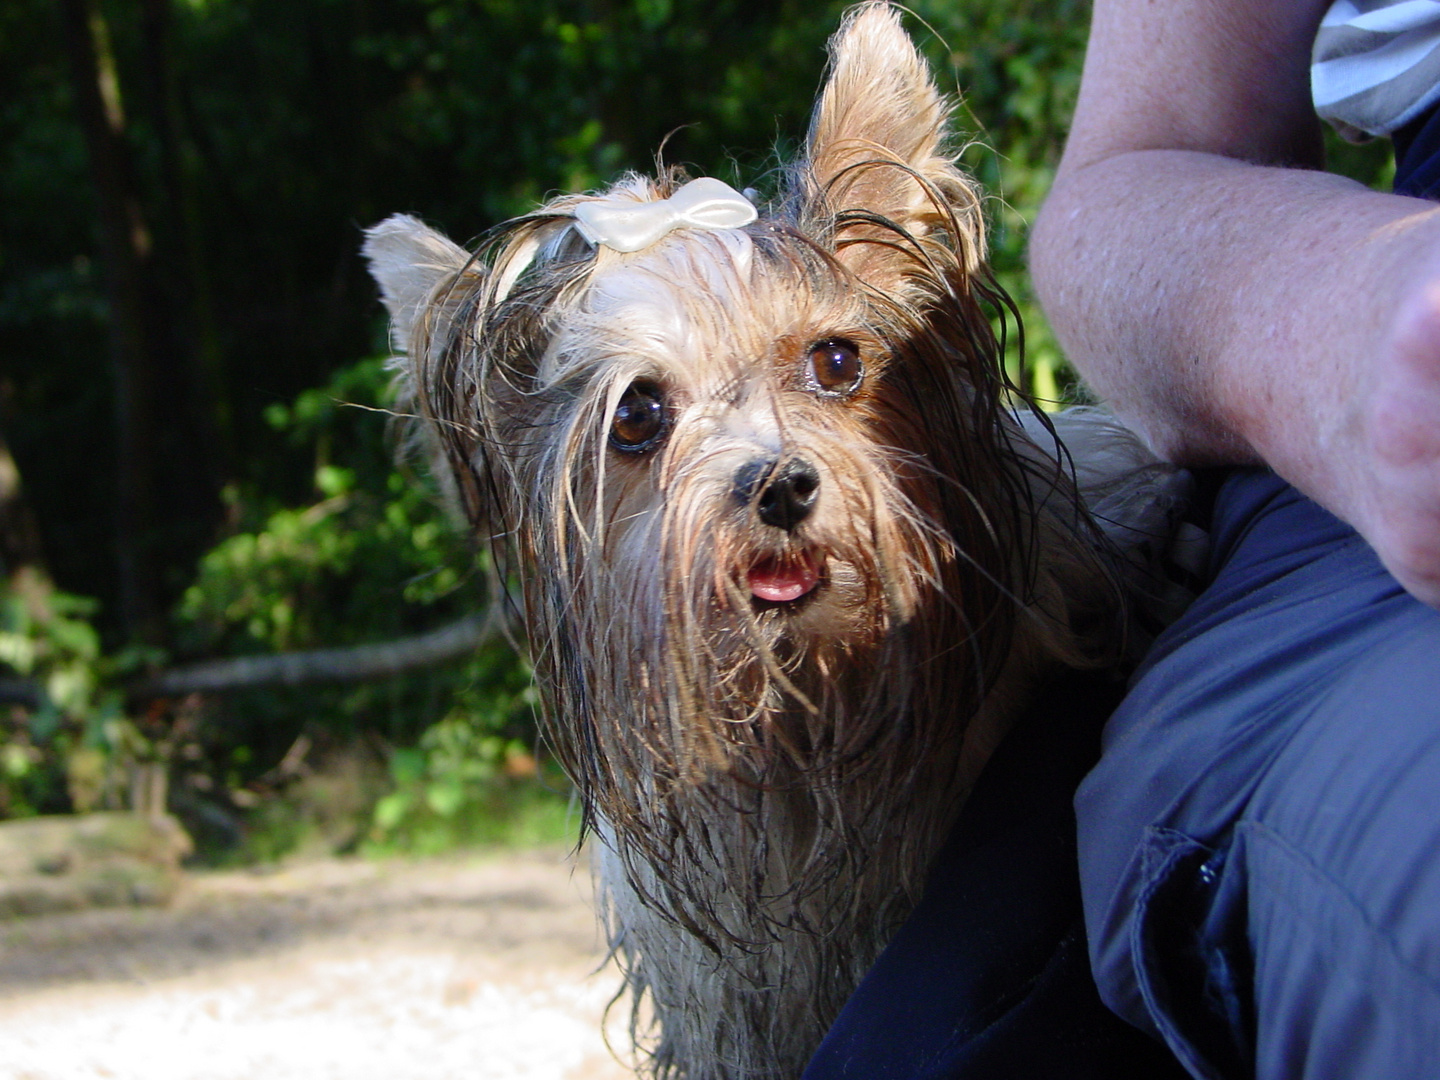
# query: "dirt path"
482,969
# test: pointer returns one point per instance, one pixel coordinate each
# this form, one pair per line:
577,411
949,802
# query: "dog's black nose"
787,492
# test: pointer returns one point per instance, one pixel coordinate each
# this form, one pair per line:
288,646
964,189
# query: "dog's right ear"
410,261
878,149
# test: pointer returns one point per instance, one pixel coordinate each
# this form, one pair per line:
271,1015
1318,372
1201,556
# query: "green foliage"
371,558
473,776
1370,163
75,747
53,645
1016,69
47,636
462,786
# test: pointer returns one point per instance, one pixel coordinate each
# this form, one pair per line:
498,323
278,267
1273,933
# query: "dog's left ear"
877,146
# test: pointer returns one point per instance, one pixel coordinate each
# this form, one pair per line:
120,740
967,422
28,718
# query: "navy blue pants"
1260,843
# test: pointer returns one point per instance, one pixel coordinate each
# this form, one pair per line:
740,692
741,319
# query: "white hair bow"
705,203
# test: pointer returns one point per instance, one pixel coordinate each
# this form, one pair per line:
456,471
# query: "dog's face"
748,468
734,443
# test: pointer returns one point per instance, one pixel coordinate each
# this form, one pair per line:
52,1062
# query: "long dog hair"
790,561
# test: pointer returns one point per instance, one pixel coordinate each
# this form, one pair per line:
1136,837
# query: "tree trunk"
125,251
192,287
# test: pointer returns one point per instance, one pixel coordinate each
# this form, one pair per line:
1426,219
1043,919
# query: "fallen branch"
354,664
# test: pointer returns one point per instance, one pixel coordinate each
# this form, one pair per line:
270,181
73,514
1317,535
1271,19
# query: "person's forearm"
1233,303
1229,311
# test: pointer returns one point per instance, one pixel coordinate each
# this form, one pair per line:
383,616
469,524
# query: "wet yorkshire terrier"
791,562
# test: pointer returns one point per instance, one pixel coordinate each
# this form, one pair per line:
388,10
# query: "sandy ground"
483,968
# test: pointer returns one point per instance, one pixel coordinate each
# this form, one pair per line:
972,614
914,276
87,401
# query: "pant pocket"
1193,961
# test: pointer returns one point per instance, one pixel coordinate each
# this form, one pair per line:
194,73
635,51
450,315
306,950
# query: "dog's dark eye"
639,419
835,366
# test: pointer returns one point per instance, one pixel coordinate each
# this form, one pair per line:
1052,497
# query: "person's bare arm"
1233,303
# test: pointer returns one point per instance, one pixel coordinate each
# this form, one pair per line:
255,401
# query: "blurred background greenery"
186,327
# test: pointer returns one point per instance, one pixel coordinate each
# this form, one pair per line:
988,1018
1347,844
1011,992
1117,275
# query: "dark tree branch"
355,664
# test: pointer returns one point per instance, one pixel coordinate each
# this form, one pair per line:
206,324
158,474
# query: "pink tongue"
780,580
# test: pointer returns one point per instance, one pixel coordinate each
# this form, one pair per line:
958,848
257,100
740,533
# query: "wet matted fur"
790,561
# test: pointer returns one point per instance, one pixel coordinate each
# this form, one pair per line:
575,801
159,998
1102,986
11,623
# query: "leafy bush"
464,784
372,557
72,747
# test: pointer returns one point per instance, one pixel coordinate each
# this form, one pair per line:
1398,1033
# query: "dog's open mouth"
780,579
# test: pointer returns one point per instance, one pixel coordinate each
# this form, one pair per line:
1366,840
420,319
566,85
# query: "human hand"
1395,474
